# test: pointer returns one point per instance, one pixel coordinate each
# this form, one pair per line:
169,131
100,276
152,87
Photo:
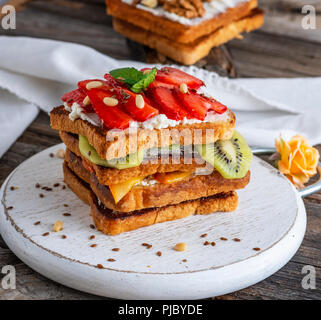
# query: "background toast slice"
189,53
114,223
176,31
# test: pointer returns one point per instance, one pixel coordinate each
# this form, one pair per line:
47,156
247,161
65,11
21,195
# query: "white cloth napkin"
34,73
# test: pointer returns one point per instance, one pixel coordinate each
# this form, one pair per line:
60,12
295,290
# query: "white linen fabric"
34,73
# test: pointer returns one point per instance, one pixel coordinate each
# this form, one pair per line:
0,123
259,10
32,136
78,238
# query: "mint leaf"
128,75
144,82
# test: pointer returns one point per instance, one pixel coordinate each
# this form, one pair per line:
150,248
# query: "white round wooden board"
271,216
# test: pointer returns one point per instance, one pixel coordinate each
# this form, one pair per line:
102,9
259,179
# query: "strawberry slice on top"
104,85
213,105
193,103
176,77
74,96
77,96
113,82
168,104
112,116
139,112
156,84
199,105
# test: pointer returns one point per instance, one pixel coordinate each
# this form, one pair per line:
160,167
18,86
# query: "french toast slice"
158,194
107,176
112,222
173,30
189,53
222,129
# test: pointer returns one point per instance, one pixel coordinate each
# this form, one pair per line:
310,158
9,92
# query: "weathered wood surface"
280,49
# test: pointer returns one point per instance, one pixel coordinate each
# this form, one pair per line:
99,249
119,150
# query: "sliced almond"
58,226
140,103
149,3
86,101
93,84
183,88
180,246
110,102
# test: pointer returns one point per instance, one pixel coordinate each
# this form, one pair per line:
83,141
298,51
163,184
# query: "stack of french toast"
149,146
184,30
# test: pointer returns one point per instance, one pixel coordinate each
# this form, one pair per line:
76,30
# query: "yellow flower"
298,160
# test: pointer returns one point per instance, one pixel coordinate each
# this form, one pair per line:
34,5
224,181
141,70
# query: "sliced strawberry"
105,85
198,105
113,82
145,69
113,117
156,84
149,102
74,96
214,105
128,100
177,77
77,96
165,99
193,102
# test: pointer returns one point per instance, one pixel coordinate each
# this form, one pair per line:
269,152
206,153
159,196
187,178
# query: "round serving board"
271,216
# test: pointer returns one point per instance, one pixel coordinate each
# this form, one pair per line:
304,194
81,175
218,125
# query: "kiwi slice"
89,152
231,158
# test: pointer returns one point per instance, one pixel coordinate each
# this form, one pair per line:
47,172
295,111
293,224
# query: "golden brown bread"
76,184
189,53
108,176
223,202
157,195
114,223
176,31
222,130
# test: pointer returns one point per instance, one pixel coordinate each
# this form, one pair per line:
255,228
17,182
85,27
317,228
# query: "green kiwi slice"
89,152
231,158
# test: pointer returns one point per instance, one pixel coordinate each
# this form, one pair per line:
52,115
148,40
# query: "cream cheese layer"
212,9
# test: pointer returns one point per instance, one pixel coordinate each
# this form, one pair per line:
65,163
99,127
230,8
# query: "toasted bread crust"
189,53
157,195
113,223
79,186
108,176
172,30
157,215
143,139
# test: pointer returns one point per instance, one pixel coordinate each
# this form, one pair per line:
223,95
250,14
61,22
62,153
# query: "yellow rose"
298,160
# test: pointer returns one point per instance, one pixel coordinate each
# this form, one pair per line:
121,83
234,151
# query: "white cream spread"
76,111
147,182
212,9
162,122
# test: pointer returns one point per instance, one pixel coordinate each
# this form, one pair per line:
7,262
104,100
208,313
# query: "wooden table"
280,49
